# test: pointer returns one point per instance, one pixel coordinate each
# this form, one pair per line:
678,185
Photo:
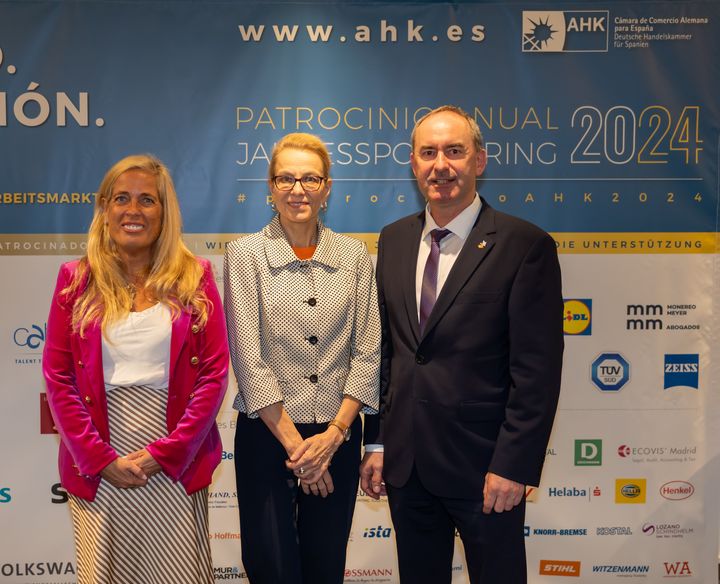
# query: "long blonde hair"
101,279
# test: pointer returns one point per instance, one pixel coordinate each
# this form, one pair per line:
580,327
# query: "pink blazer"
76,393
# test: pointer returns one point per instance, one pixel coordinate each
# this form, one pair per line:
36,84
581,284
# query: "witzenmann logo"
577,317
588,452
682,371
568,31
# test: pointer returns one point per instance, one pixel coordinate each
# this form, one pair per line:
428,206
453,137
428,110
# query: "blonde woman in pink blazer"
136,364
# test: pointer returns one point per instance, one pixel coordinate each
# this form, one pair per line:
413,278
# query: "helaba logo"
588,452
582,492
32,337
568,31
682,371
377,532
610,372
630,491
560,568
577,317
677,569
677,490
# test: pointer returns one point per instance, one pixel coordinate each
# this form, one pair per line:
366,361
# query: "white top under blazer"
302,332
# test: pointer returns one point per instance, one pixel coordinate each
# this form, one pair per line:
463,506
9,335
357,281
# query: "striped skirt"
154,534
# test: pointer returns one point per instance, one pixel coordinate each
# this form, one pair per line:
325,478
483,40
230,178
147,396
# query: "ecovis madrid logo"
560,568
677,490
588,452
630,491
682,371
577,317
565,31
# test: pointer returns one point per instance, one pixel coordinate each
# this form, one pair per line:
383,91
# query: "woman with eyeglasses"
302,315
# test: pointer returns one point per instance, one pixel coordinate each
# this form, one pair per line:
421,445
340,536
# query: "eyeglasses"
310,183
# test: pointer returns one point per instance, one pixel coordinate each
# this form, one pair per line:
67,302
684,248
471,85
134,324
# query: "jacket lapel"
180,327
477,246
408,267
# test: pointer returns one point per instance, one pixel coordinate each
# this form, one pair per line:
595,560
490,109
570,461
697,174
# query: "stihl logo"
677,569
559,568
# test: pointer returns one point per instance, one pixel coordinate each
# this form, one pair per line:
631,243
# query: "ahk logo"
568,31
682,371
588,452
577,317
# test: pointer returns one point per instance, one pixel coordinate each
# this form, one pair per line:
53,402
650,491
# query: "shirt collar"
460,225
280,253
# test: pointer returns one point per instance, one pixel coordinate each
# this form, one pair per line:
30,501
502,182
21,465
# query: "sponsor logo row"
631,491
573,569
610,371
588,452
641,318
653,530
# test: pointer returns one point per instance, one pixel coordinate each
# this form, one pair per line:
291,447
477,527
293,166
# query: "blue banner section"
601,117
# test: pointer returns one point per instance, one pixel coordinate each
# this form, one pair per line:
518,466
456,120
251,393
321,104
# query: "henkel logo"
559,568
677,569
677,490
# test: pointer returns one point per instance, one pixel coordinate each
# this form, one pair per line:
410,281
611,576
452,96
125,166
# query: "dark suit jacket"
478,390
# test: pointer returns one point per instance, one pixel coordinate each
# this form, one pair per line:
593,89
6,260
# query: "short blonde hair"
300,141
474,128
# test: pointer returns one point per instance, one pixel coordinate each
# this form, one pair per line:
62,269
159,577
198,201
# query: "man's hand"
371,480
501,494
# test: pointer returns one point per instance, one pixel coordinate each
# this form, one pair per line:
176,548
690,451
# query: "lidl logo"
588,452
682,371
577,316
565,31
632,491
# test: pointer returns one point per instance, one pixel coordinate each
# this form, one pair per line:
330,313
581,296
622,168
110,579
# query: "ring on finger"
301,470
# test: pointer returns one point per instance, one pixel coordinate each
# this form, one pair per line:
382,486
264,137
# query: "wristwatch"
344,428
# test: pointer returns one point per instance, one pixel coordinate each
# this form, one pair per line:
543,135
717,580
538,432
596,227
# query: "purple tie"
428,293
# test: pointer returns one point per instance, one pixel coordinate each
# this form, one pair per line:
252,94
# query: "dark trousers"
425,535
289,537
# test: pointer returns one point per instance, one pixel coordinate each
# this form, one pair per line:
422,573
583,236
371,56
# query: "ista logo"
378,531
677,569
577,317
677,490
560,568
631,491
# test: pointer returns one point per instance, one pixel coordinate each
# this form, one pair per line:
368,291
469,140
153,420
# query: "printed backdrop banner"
601,125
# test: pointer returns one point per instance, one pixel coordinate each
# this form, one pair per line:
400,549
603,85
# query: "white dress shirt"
450,245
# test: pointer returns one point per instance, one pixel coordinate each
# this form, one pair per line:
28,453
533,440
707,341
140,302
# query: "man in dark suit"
471,307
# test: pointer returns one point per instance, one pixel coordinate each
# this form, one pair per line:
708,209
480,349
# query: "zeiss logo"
682,371
565,31
31,338
377,532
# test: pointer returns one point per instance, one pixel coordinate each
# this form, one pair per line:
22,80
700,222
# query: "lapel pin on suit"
482,244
